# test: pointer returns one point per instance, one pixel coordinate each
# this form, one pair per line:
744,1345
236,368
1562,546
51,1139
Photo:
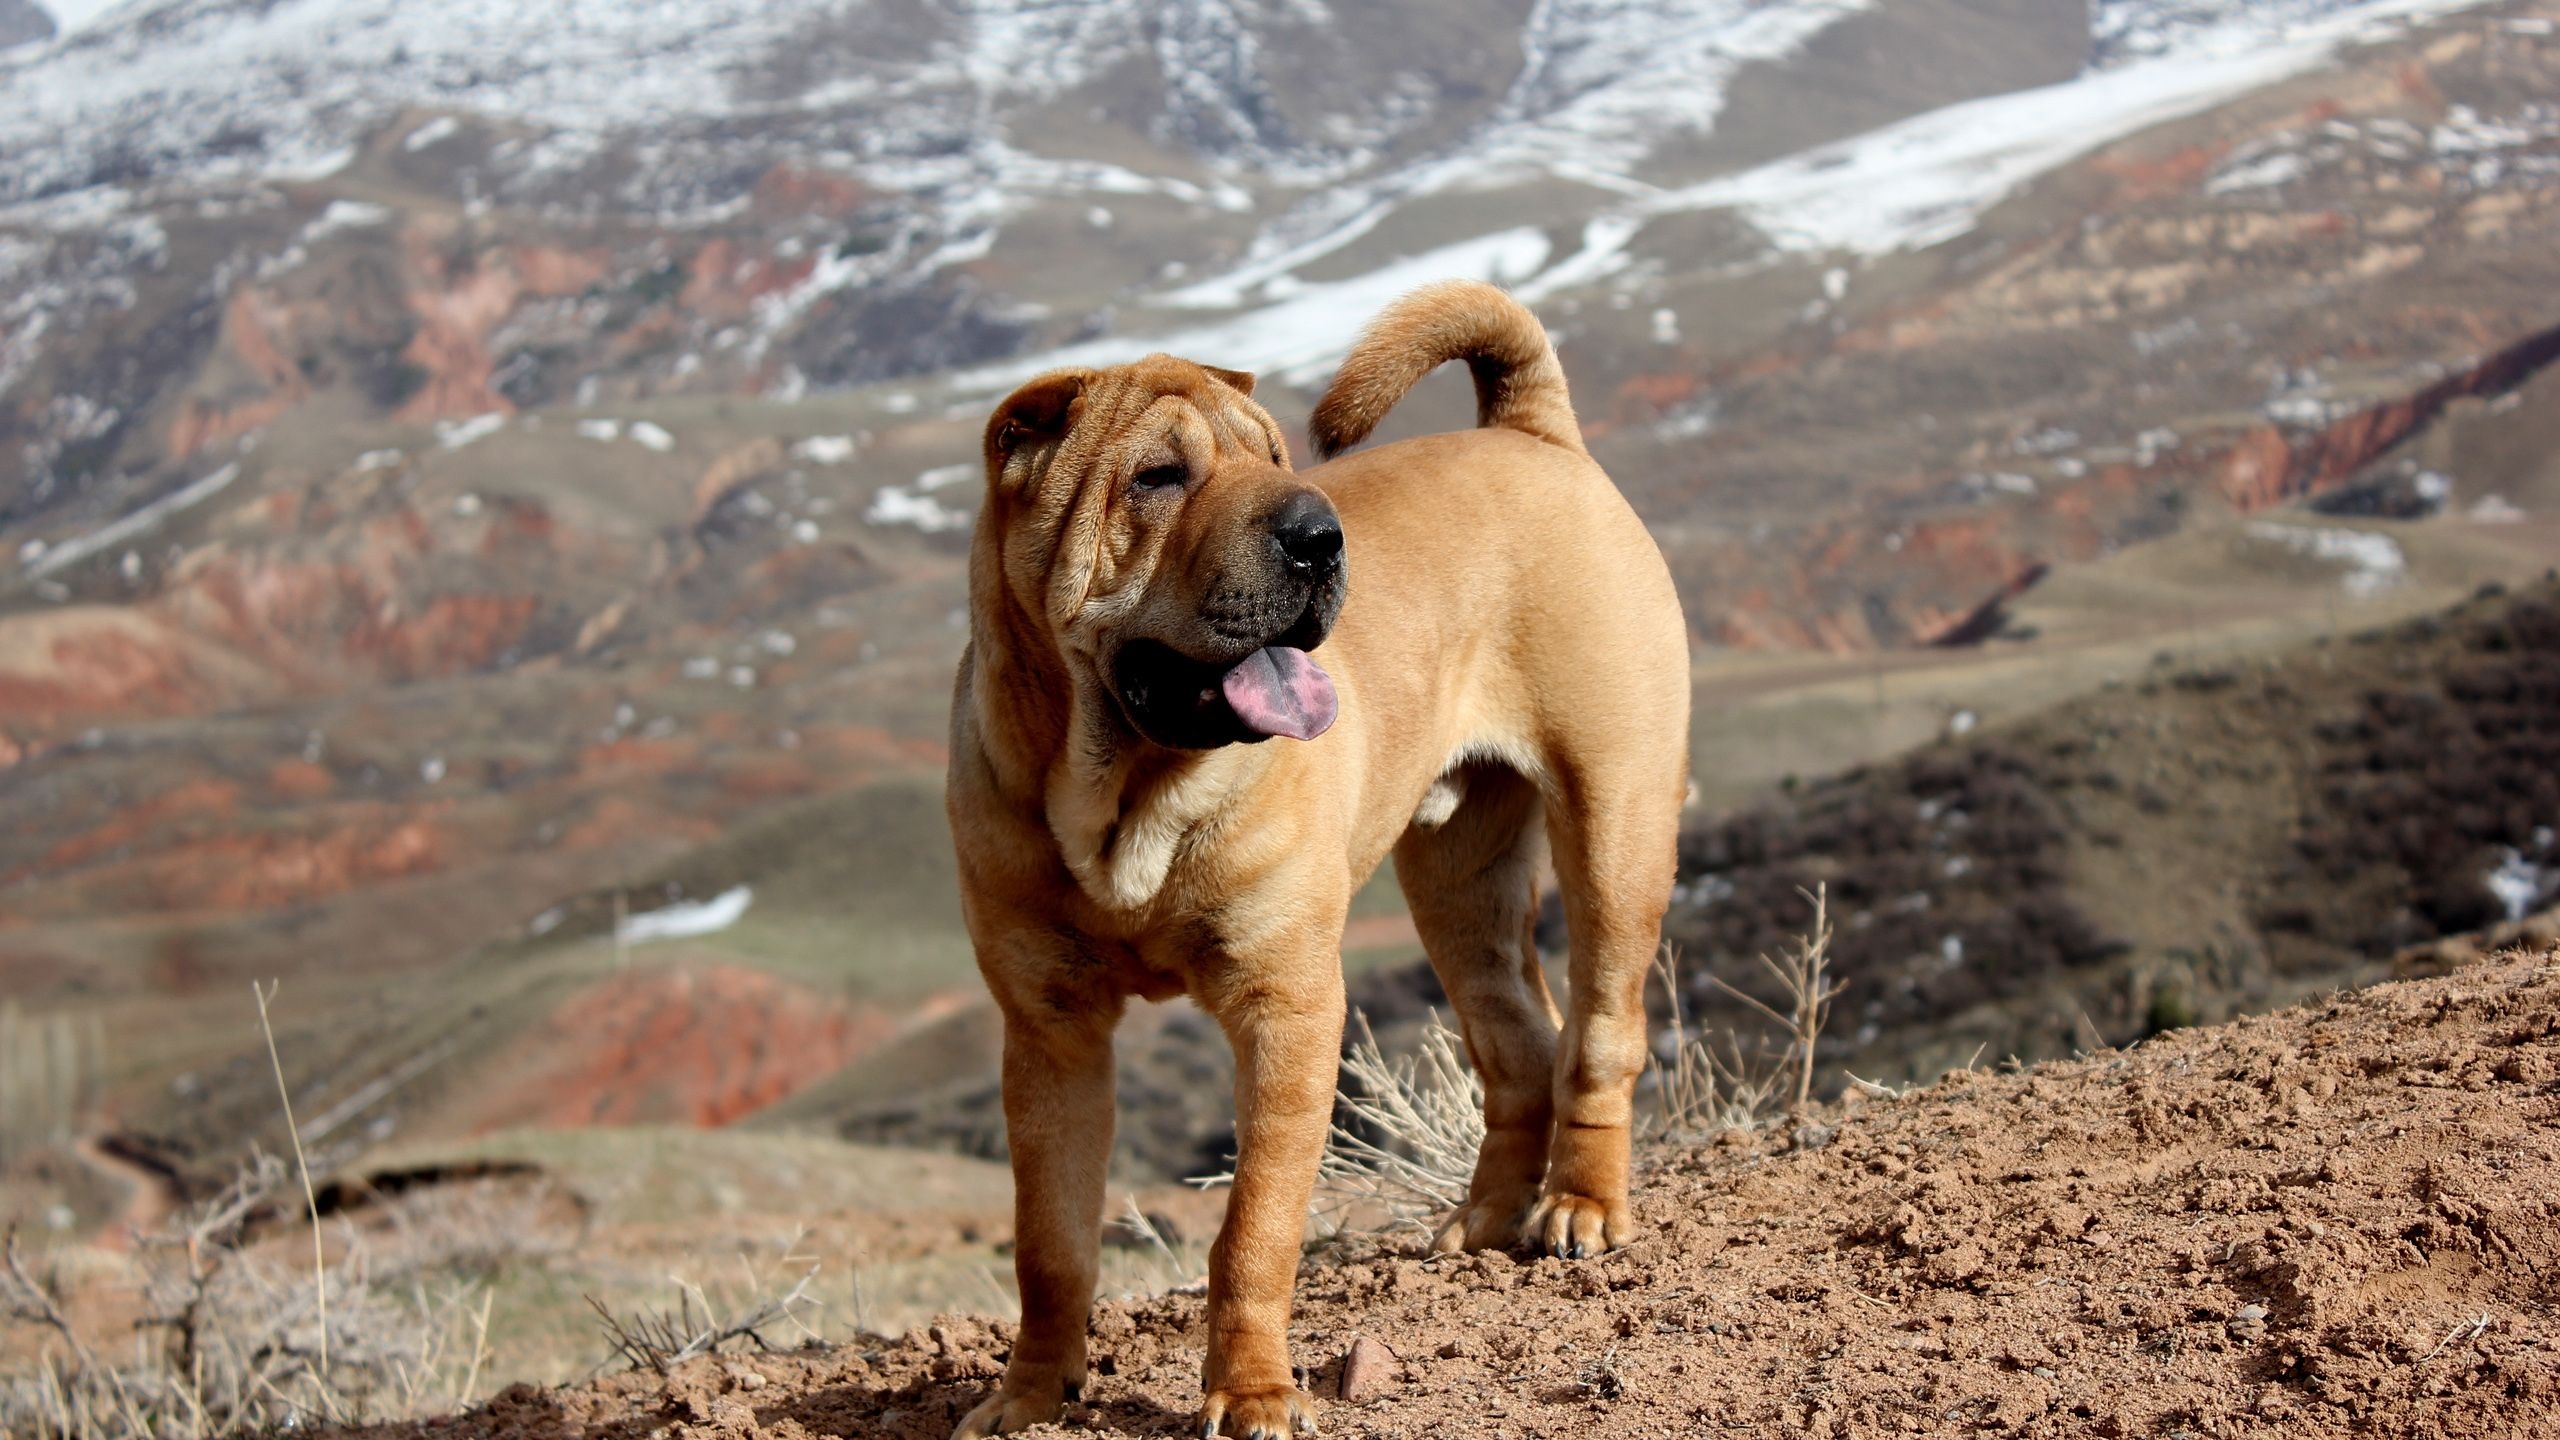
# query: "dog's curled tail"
1519,385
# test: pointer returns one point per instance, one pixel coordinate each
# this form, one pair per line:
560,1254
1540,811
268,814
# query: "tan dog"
1497,643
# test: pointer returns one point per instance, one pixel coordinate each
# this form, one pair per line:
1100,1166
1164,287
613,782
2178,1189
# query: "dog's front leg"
1285,1022
1057,1115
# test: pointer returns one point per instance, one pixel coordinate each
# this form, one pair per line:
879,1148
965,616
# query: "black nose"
1310,534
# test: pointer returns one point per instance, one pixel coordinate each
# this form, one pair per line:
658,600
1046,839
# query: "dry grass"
1701,1082
1806,990
1404,1136
229,1342
660,1340
49,1068
237,1338
1405,1131
1406,1128
1171,1267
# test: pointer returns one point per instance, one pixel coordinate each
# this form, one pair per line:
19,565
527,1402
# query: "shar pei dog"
1206,693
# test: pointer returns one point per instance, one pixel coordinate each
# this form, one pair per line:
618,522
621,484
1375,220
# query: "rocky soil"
2338,1217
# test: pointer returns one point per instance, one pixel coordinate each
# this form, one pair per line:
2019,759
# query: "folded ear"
1037,412
1241,381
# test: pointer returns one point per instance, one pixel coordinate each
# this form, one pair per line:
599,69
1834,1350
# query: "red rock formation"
198,800
2270,466
249,335
90,664
458,305
702,1046
722,282
618,820
2142,177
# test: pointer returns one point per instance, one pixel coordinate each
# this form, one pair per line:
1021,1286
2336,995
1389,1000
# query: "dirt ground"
2342,1217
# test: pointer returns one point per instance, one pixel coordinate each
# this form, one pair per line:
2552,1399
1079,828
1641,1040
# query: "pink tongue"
1281,691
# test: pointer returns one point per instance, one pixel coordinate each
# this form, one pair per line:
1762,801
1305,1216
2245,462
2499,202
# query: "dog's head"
1146,517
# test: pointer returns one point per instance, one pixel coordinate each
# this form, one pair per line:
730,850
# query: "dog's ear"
1039,411
1240,381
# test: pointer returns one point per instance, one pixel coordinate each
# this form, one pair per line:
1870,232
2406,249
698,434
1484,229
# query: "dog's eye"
1159,477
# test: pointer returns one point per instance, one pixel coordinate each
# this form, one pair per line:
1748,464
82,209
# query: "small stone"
1458,1349
1368,1371
1811,1136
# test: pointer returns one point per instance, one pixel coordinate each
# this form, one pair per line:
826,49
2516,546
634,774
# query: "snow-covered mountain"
218,213
1301,131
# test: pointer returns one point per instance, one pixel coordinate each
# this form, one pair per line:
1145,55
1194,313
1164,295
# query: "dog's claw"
1258,1413
1007,1412
1576,1227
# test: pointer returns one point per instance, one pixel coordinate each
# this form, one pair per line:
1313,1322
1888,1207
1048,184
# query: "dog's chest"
1153,958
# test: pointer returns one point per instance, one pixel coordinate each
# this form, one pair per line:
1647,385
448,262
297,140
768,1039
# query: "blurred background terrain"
484,489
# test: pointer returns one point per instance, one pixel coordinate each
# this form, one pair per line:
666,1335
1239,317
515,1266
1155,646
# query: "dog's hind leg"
1614,818
1058,1114
1471,881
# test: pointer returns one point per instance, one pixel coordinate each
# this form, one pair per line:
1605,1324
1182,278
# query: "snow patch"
454,434
344,215
1928,179
1605,80
915,506
651,437
687,919
50,559
2520,885
1602,84
2374,563
824,449
1297,339
433,133
70,17
2263,173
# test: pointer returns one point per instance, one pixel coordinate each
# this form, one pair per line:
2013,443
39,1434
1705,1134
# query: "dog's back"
1519,384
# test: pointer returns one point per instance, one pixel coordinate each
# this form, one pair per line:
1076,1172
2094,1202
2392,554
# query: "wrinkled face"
1148,515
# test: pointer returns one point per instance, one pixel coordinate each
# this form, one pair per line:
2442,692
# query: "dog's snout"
1309,533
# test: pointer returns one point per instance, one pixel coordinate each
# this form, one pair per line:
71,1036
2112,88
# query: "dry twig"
310,1200
660,1340
1804,980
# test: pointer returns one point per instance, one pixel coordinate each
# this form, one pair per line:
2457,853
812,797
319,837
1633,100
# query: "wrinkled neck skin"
1119,806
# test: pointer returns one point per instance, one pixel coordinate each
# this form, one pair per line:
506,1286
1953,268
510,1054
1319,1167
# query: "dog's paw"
1573,1227
1482,1225
1264,1412
1009,1410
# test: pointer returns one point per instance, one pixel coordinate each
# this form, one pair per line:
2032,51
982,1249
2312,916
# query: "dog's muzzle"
1249,689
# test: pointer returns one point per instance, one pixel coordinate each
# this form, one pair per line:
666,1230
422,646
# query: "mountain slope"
2318,811
2332,1218
400,564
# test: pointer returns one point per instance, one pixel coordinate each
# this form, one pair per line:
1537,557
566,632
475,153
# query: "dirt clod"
1368,1371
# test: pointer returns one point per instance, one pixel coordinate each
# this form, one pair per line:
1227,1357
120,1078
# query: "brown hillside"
2345,1216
